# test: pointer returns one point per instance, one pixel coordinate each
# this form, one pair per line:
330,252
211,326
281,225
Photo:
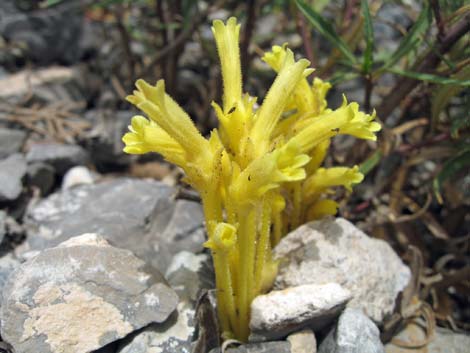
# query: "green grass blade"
369,37
413,37
430,78
371,162
325,29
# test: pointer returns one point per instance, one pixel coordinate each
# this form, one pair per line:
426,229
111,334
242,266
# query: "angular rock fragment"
354,333
12,171
185,275
80,296
175,335
138,215
11,141
8,263
303,342
61,157
189,274
334,250
278,313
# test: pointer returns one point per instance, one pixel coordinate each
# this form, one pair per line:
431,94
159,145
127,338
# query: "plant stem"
297,203
225,291
367,92
263,242
247,237
405,85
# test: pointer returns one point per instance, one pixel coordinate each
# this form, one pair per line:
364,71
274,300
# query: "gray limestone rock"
185,275
280,312
80,296
139,215
8,263
175,335
354,333
303,342
189,274
12,171
11,141
3,230
334,250
42,176
61,157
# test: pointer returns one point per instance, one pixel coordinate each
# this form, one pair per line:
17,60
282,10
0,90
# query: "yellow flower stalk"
255,164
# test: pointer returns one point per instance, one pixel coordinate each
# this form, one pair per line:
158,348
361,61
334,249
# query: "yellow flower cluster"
255,164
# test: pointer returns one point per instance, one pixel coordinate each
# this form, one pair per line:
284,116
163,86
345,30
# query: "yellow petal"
147,136
362,125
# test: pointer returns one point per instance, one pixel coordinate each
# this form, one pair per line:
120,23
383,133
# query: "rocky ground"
100,251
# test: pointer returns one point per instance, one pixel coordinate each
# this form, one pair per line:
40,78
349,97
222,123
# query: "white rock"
185,259
278,313
77,176
85,239
334,250
303,342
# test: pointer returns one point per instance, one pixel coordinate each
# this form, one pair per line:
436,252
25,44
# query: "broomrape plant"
259,174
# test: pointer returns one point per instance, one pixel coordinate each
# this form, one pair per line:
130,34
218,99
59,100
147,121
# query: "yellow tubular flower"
305,98
325,178
345,120
146,136
162,109
226,38
274,103
276,57
362,125
268,172
320,89
322,128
